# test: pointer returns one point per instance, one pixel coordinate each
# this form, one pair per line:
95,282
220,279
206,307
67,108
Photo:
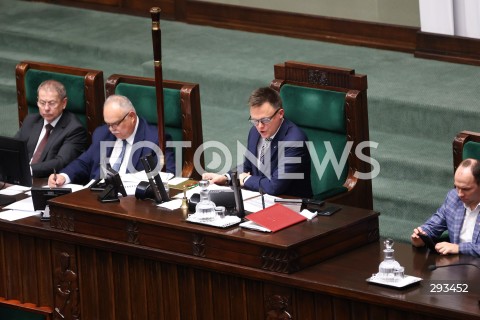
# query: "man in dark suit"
54,136
277,159
122,141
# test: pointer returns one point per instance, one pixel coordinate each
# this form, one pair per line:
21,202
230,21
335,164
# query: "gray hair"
53,85
122,101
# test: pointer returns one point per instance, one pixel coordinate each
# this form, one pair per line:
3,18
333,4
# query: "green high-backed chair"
14,309
465,145
182,114
330,105
84,90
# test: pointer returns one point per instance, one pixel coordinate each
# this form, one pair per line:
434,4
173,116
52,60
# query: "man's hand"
447,248
215,178
56,180
415,238
242,178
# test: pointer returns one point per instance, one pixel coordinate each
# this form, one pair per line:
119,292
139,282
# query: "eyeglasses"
267,120
116,124
51,104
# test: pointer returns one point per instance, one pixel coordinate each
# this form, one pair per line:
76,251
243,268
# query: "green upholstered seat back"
321,116
74,85
471,149
8,313
144,100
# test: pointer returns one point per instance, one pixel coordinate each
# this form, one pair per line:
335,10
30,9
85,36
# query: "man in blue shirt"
458,214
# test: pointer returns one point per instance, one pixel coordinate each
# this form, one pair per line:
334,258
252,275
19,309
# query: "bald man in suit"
131,138
66,137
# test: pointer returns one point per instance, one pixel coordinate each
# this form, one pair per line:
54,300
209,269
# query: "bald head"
467,182
473,165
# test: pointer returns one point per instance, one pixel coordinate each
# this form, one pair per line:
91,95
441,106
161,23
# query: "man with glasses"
277,159
54,136
123,140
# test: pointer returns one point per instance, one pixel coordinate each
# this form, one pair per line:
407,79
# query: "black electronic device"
152,189
14,165
156,186
158,180
98,185
40,197
114,186
303,201
237,191
429,243
144,191
328,211
14,162
223,198
193,201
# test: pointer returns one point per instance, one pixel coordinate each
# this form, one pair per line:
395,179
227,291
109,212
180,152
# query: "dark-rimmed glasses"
266,120
116,124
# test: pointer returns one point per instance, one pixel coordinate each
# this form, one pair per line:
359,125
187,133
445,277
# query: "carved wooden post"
157,62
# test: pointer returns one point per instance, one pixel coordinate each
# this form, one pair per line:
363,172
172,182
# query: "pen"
55,176
192,186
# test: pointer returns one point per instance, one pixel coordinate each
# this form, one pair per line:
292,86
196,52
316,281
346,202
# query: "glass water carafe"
205,209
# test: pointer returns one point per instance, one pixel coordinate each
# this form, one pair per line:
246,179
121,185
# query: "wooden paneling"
81,276
119,286
302,26
295,248
448,48
345,31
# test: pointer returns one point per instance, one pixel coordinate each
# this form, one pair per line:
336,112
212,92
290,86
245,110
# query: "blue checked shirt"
450,217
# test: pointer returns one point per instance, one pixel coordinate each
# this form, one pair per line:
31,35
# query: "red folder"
276,217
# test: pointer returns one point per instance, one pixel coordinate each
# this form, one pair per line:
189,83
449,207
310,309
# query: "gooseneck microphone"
434,266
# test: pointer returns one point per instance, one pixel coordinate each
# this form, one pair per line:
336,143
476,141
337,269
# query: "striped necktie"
116,166
41,146
265,145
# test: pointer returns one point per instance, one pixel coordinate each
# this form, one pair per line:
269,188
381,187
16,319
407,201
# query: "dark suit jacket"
277,185
87,166
66,142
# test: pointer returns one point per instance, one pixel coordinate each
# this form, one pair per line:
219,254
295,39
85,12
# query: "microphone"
434,266
263,198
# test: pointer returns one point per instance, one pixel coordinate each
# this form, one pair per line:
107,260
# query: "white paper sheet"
171,205
22,205
12,215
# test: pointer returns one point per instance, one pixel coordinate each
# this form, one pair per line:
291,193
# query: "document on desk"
73,186
273,218
255,204
22,205
171,205
131,180
14,190
197,189
18,210
12,215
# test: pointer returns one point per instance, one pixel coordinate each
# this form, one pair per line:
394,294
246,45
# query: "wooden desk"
97,274
144,224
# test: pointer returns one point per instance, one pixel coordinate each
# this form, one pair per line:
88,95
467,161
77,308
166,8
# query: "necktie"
118,163
42,144
264,148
